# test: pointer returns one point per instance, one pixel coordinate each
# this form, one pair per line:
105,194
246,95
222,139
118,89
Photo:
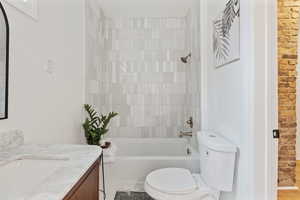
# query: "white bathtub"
136,158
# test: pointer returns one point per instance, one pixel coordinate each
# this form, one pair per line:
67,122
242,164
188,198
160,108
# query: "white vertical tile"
144,55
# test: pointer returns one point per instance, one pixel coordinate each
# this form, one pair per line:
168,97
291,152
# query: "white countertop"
75,161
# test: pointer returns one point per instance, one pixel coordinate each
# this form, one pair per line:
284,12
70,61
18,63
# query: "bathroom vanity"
47,172
88,186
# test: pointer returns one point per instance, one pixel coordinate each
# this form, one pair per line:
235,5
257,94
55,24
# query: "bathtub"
136,158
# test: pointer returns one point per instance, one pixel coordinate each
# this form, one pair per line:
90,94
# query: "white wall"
48,108
226,92
239,100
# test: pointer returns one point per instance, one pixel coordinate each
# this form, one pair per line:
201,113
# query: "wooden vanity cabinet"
88,186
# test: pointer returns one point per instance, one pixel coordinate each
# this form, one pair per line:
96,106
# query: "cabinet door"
88,188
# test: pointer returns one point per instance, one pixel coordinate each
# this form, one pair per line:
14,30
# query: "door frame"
273,120
264,109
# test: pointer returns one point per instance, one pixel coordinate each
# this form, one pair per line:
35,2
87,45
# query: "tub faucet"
188,134
190,122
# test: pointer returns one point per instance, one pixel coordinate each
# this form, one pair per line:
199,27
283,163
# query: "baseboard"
288,188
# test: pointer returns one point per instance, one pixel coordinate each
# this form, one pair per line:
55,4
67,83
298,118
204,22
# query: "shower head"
186,59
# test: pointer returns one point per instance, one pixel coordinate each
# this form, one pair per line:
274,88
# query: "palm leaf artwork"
221,42
229,14
95,127
221,32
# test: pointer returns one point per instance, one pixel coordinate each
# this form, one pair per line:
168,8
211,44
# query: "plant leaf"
96,126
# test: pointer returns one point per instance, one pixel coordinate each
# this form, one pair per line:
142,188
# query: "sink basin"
21,177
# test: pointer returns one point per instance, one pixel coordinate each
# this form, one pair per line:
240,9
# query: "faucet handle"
190,122
185,134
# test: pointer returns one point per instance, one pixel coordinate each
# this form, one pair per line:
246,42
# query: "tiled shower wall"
95,51
134,68
193,75
143,78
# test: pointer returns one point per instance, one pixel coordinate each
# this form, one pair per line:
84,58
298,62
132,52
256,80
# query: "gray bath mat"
132,196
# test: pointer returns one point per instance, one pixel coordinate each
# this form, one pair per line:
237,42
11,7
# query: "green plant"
95,126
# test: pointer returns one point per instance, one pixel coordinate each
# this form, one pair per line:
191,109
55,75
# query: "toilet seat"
172,181
165,184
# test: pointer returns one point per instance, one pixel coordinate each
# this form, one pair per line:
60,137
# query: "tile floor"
132,196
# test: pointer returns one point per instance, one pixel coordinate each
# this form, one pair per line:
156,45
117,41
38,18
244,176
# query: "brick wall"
288,19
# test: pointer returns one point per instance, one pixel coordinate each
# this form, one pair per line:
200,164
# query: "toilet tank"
217,160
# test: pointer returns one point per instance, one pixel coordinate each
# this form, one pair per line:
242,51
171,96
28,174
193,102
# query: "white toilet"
217,164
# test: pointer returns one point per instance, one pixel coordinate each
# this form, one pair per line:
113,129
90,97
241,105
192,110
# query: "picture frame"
226,34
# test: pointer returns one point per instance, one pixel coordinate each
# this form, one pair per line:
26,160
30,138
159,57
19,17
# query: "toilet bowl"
217,163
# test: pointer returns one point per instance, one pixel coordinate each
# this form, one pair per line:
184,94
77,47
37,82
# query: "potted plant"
95,126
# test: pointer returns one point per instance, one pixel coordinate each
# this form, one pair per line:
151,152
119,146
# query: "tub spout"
183,134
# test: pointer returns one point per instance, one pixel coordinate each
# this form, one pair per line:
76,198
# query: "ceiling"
145,8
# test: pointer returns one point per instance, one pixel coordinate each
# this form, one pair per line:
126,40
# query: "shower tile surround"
134,69
95,50
193,73
147,82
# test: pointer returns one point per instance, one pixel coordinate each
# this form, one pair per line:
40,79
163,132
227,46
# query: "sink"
21,177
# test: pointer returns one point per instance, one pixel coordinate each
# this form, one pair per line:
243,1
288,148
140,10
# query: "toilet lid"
172,180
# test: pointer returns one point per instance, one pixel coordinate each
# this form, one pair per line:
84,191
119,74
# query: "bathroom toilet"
217,164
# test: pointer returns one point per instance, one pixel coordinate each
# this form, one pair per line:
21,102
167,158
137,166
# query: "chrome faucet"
187,134
190,122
